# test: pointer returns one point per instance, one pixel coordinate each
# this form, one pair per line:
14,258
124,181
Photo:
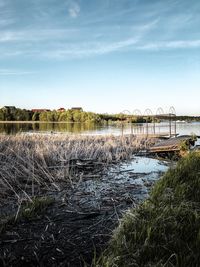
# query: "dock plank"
171,144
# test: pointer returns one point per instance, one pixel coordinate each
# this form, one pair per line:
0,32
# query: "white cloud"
131,44
90,49
36,35
171,45
146,27
6,72
5,22
73,9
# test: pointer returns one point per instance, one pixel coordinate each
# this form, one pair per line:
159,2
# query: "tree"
36,116
50,116
77,116
43,116
2,115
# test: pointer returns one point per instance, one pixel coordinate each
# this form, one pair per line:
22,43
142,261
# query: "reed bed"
29,163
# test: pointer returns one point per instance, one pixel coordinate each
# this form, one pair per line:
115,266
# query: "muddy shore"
78,223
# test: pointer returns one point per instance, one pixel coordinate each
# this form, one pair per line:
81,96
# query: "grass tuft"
165,229
26,211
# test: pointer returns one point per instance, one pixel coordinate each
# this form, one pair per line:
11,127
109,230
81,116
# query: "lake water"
115,129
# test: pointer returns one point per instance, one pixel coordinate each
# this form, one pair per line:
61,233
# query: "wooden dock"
174,144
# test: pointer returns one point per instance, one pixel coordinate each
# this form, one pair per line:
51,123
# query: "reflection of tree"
13,128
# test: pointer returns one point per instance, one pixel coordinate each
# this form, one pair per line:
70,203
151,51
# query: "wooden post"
122,129
175,125
147,126
154,126
170,125
131,128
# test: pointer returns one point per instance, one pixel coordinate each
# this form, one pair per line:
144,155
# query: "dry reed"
29,163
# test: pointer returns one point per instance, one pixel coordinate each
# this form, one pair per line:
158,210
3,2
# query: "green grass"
165,229
26,211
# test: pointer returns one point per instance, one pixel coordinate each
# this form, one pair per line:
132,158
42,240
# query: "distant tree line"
16,114
124,117
67,116
70,115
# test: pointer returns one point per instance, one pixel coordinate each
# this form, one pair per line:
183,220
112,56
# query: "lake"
96,129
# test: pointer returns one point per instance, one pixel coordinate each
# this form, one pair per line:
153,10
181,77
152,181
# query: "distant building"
61,110
77,108
40,110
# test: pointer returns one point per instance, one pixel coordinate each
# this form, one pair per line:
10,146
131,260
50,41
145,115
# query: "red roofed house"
61,110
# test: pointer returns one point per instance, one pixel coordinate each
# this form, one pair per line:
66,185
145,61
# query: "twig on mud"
12,241
121,171
115,209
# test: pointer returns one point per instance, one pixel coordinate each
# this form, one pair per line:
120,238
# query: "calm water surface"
117,129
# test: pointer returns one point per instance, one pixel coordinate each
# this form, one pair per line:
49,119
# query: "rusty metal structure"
159,123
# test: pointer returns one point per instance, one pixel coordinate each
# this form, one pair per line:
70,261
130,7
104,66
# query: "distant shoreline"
33,122
57,122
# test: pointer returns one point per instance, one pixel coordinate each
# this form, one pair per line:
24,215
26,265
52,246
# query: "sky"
103,55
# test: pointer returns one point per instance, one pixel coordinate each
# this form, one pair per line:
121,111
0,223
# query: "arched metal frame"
160,114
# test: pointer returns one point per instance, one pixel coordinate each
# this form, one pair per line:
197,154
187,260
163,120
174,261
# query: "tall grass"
29,163
165,229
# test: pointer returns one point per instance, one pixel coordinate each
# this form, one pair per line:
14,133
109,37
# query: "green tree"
77,116
43,116
50,116
36,116
2,115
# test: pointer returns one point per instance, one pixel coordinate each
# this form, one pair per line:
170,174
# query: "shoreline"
51,122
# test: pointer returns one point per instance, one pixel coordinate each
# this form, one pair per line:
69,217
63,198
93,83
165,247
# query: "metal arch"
137,112
125,112
160,111
172,111
148,112
169,115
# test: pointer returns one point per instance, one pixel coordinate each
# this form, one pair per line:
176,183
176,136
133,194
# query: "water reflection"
14,128
91,128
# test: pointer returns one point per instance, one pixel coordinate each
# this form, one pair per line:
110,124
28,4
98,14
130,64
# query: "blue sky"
103,55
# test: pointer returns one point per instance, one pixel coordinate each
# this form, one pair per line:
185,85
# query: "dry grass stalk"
26,160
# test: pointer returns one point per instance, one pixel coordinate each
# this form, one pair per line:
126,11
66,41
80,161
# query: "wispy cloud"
7,72
90,49
5,22
6,18
104,27
171,45
36,35
73,9
145,27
